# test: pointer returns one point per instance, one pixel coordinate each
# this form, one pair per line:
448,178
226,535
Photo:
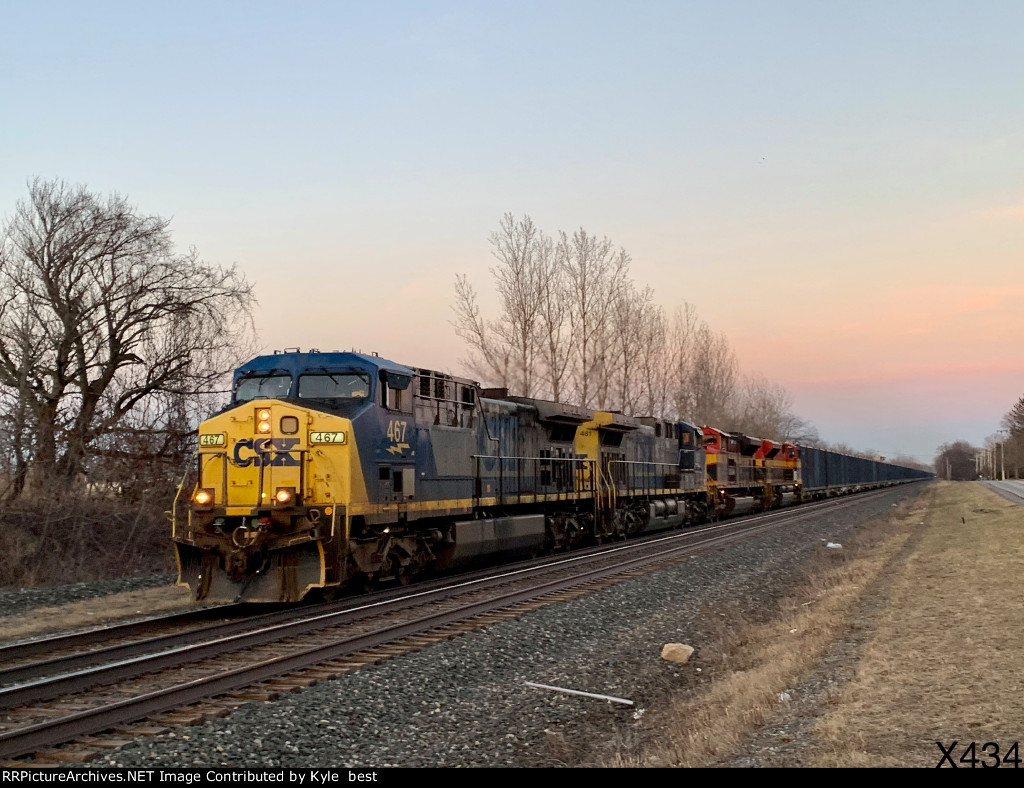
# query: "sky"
838,187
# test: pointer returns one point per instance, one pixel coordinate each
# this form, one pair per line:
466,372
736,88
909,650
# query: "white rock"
676,652
785,697
834,546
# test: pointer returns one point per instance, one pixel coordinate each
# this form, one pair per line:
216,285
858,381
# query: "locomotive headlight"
284,496
263,427
203,497
263,421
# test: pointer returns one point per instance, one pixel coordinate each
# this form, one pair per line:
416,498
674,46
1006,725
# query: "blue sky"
831,184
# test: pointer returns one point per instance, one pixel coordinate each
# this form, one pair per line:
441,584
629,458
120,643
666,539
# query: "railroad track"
202,673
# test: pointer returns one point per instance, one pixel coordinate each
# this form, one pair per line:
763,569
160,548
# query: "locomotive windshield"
339,385
263,387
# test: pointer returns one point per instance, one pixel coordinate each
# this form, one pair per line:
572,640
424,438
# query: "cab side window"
399,399
396,393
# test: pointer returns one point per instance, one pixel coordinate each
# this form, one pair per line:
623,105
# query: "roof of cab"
293,363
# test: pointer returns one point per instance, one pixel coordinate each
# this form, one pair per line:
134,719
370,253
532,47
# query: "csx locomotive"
336,470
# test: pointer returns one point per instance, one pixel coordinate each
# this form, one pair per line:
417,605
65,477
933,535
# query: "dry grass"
755,663
51,540
944,662
114,607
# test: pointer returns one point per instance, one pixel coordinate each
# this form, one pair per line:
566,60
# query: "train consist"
332,470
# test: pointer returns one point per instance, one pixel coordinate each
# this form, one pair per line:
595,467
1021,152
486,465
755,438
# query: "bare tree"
652,362
574,326
955,461
712,382
765,409
556,335
679,361
632,313
595,273
510,351
99,315
520,284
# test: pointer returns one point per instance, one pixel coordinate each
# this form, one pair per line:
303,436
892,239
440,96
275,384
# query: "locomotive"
328,471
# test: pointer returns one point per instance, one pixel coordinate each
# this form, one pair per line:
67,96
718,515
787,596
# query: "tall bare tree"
712,381
489,359
632,313
520,284
679,360
556,336
99,315
573,326
653,362
596,273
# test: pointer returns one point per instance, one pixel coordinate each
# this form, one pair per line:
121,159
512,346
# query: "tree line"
1001,455
573,326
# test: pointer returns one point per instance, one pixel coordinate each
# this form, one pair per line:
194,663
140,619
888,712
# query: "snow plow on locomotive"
329,470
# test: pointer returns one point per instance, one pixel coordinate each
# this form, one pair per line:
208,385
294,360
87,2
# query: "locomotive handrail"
576,492
197,456
177,495
614,487
334,508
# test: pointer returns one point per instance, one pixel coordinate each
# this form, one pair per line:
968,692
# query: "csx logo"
266,451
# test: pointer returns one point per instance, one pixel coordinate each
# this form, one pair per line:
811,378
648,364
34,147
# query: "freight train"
330,471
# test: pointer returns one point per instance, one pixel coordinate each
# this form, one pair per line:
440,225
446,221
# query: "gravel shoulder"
465,702
35,612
